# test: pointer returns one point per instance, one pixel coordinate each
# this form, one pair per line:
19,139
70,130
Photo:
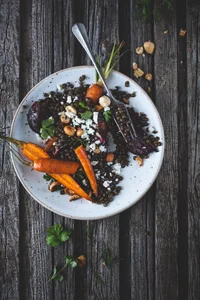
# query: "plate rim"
109,214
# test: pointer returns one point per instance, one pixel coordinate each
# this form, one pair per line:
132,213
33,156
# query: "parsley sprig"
69,261
57,235
48,128
107,115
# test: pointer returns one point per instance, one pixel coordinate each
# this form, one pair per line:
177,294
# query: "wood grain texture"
63,57
36,63
105,233
9,196
193,86
166,219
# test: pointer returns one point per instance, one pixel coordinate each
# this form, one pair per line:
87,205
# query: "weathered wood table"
157,241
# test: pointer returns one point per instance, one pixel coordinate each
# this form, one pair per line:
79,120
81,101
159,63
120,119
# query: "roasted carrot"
94,92
50,143
33,152
83,157
56,166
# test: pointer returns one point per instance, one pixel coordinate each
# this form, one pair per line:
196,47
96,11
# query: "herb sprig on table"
57,235
146,10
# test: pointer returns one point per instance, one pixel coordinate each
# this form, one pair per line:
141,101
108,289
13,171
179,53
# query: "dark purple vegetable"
37,113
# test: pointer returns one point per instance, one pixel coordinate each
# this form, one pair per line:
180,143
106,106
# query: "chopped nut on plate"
139,161
139,50
149,47
182,32
148,76
138,73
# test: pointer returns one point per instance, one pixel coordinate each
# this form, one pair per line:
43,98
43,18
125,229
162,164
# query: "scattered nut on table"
138,73
81,260
135,66
139,50
182,32
148,76
166,31
149,47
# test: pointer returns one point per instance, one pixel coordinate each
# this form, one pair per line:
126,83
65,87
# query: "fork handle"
80,33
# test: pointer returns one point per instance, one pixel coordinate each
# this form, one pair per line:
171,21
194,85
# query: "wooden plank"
193,71
166,223
101,21
9,196
137,248
63,43
36,63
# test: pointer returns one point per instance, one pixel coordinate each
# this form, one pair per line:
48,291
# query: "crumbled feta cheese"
59,87
97,142
98,135
75,98
70,114
106,183
106,108
88,122
95,117
69,99
93,146
116,168
102,148
109,163
62,102
84,182
90,131
109,189
94,163
85,136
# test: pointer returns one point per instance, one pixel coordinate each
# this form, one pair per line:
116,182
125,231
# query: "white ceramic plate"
137,180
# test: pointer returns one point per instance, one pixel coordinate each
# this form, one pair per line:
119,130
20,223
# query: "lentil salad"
70,109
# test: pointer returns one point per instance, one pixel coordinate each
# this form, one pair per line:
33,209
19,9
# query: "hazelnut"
126,101
138,73
98,107
182,32
71,109
64,119
81,260
53,186
74,197
148,76
135,66
110,157
139,161
69,130
97,150
149,47
139,50
104,101
79,132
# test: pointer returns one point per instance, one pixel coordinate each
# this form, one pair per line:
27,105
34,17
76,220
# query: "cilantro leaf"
107,115
56,275
86,115
71,262
47,129
82,104
57,235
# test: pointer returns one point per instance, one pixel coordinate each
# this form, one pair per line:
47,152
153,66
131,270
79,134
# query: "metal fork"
127,129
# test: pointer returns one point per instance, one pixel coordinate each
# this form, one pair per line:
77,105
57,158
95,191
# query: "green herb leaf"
57,235
107,115
82,104
47,177
56,275
107,258
48,128
98,278
70,261
86,115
